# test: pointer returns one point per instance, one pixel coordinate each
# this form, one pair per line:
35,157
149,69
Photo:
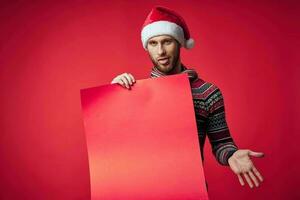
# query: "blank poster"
143,143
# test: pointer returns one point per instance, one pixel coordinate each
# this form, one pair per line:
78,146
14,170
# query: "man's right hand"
126,80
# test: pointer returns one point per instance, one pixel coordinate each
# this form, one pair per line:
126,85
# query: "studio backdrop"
49,50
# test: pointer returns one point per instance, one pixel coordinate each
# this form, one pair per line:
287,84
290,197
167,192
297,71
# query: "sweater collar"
192,74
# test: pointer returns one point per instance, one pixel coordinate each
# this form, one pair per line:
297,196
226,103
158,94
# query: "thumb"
256,154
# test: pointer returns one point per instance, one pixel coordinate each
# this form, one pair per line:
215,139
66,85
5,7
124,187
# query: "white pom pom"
190,43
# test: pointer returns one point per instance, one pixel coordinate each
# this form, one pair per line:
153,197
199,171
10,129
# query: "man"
163,34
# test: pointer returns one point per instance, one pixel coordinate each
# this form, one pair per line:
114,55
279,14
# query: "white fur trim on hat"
161,28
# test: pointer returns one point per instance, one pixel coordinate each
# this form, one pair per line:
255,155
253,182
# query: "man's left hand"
241,164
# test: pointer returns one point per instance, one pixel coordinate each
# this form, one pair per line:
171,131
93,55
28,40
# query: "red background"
50,50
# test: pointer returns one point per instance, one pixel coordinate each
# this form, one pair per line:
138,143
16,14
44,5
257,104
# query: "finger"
128,78
115,80
132,78
248,180
256,172
241,180
254,179
125,81
121,82
256,154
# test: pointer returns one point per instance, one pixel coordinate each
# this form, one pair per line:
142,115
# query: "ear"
178,43
147,46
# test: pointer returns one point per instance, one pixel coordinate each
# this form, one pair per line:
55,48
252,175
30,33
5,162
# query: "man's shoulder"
204,90
202,85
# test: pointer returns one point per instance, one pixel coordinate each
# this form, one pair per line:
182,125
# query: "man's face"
164,52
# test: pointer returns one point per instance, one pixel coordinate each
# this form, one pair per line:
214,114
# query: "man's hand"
241,164
125,80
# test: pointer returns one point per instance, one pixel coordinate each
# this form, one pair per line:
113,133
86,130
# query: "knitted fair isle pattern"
210,115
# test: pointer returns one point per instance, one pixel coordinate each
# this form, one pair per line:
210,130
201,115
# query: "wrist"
229,155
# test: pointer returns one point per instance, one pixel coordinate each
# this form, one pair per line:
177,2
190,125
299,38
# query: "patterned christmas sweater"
210,115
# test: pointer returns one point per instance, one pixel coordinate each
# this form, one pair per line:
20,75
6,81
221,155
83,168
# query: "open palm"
242,165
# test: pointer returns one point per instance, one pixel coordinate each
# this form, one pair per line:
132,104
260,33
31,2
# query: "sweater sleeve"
217,130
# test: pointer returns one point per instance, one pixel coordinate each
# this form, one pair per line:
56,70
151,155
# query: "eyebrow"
163,40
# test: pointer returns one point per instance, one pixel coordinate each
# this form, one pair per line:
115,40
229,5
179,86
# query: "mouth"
163,61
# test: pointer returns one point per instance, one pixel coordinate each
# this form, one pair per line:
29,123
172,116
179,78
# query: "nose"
161,49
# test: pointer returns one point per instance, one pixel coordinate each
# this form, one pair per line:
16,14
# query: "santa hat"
162,20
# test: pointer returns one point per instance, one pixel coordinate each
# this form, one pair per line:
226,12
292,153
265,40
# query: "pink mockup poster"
143,143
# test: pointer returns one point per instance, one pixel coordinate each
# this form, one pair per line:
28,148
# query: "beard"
173,63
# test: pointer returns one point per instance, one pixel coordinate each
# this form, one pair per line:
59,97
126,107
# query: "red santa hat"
161,21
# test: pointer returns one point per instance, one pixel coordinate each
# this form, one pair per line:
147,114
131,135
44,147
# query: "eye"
168,41
152,43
